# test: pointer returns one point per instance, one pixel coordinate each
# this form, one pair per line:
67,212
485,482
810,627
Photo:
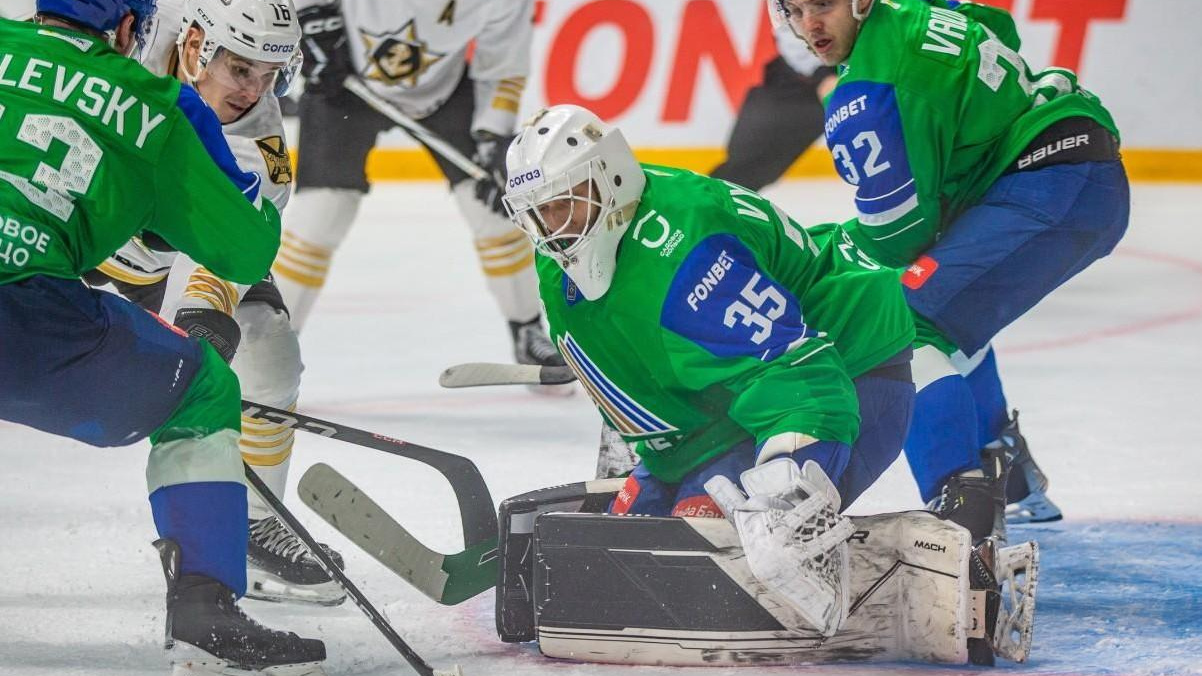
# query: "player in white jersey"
19,10
239,54
414,54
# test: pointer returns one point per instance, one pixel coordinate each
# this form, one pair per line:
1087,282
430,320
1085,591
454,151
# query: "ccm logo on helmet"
278,49
525,177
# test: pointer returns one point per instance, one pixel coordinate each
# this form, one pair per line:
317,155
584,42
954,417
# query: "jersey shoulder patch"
275,156
868,144
721,300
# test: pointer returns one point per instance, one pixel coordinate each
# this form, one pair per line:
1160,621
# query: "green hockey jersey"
94,149
932,105
725,321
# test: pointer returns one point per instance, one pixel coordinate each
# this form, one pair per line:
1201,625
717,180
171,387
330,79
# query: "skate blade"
1018,572
1035,508
263,586
188,660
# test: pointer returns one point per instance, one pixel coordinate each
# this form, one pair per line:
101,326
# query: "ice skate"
207,633
279,568
532,346
1027,487
976,499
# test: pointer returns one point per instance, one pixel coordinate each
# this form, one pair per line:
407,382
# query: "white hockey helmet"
789,12
573,186
264,32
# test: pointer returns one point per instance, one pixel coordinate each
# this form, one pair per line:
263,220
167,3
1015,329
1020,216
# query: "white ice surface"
1106,373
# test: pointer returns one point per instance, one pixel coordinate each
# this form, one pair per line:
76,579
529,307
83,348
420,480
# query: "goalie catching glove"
793,535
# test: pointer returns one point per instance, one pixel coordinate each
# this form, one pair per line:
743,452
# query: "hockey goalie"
785,579
761,372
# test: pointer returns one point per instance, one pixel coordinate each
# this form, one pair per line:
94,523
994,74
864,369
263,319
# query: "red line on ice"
1156,322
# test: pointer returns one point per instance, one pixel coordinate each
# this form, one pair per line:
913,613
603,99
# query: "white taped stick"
482,374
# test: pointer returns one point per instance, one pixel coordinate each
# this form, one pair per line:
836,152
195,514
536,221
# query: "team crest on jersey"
397,57
275,155
627,415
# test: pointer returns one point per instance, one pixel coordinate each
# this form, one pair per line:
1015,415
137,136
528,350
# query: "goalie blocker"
678,591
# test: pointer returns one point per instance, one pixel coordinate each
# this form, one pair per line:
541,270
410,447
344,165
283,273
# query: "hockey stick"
446,578
476,510
415,129
478,374
290,521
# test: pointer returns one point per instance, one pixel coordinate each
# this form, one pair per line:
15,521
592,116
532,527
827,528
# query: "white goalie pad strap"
1018,573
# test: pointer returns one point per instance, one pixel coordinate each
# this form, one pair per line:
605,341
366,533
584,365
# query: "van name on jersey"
944,22
93,96
845,111
713,277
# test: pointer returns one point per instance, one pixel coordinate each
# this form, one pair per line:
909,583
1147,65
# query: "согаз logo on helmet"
525,177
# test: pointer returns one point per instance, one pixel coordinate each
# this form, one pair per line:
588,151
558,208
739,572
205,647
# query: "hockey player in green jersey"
992,184
93,149
715,334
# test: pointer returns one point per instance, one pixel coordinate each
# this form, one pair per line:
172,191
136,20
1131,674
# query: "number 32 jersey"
932,106
725,322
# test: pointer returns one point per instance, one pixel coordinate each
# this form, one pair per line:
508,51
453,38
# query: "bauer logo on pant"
275,156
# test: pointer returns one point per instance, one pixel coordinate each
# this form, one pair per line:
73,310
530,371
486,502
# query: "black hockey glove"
327,53
490,155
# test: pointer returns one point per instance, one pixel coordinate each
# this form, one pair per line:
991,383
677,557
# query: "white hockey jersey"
256,139
414,52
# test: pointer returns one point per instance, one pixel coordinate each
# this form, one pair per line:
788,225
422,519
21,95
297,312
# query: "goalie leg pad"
515,578
656,591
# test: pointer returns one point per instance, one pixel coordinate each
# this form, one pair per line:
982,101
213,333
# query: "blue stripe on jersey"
624,412
864,133
721,300
208,128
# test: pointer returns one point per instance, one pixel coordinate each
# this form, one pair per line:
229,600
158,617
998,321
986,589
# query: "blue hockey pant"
1031,233
89,365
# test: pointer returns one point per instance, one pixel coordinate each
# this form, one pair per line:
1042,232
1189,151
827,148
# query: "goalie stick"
289,519
476,510
481,374
446,578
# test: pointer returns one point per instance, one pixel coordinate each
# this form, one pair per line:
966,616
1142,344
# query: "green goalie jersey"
931,107
94,149
725,322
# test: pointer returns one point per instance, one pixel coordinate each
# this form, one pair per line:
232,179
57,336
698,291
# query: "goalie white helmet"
573,187
265,34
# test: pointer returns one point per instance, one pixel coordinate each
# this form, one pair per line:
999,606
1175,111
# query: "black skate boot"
279,568
532,346
207,633
977,500
1027,487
